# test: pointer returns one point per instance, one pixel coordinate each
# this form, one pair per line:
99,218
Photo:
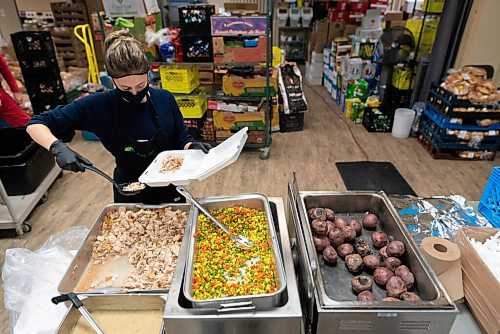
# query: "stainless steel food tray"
131,302
323,313
253,201
333,282
78,269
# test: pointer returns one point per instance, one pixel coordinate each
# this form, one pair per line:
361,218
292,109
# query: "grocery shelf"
293,28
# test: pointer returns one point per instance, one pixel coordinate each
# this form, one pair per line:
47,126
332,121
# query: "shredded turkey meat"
171,164
151,240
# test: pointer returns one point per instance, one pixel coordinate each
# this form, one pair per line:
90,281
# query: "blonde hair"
124,55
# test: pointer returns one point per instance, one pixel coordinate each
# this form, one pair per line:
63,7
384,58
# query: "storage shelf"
293,28
256,63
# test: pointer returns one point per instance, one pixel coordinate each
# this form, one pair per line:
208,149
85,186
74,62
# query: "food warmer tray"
331,307
253,201
77,270
286,318
113,303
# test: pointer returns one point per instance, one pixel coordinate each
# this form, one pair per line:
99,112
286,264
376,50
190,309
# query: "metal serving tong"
239,241
120,187
77,303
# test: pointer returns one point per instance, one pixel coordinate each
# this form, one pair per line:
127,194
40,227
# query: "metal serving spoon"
120,187
240,241
77,303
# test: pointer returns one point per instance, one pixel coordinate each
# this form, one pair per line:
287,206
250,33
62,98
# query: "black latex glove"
196,145
66,158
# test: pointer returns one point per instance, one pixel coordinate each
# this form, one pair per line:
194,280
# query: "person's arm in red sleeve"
7,75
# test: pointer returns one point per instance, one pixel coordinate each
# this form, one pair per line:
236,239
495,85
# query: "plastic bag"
290,85
30,280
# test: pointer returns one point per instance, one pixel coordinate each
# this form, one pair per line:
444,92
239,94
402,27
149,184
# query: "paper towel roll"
444,258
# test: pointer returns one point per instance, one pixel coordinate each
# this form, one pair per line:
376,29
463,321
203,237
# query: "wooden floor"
76,199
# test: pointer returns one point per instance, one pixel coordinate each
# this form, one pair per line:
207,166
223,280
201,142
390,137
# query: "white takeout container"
197,165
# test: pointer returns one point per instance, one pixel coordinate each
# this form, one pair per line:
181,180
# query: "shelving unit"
214,92
14,210
414,65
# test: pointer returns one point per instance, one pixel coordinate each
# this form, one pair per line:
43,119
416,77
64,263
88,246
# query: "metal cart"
14,210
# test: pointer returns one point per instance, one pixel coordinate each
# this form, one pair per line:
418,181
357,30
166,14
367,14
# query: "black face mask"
131,98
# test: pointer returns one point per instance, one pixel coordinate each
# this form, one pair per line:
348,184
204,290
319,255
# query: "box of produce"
252,84
254,136
239,25
479,248
227,120
217,272
233,50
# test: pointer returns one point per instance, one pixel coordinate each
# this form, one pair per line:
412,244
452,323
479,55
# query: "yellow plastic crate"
192,106
179,79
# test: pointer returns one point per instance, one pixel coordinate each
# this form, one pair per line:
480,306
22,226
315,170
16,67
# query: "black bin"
23,163
196,20
16,146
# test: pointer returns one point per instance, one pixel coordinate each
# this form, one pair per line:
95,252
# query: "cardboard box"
241,8
129,8
33,6
254,137
238,25
342,5
227,54
481,287
369,33
371,20
350,29
322,27
393,16
361,6
235,85
391,24
336,30
340,16
230,121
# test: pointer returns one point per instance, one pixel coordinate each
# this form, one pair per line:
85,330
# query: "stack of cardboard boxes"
349,71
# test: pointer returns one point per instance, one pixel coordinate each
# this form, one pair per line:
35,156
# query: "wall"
9,21
480,43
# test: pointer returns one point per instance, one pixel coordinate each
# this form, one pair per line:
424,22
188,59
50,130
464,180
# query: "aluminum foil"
439,216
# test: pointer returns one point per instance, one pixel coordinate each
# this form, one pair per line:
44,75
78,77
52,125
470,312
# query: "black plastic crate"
452,106
291,122
41,105
197,49
195,19
17,146
44,87
441,139
29,44
39,64
376,120
24,178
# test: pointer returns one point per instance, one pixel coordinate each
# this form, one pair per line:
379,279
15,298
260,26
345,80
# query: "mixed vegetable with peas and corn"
223,270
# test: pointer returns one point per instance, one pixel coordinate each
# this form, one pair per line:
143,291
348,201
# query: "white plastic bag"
30,280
